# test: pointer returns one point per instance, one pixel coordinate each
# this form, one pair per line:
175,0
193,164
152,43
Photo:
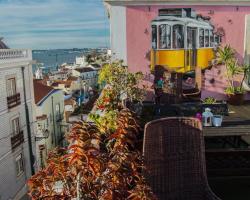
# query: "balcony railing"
13,100
15,55
17,140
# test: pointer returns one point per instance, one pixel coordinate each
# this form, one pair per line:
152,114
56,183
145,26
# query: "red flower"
101,107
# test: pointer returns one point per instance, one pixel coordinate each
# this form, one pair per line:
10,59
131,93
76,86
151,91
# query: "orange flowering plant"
102,161
97,165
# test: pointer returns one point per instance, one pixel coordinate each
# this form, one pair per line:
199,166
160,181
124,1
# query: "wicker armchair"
175,157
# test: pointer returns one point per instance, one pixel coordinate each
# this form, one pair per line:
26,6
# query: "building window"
211,38
42,153
206,38
217,40
47,122
19,164
165,36
201,37
11,86
154,37
58,107
58,112
39,125
178,36
15,126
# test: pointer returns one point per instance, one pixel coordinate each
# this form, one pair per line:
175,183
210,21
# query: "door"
191,52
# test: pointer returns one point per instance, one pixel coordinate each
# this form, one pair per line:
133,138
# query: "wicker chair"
175,157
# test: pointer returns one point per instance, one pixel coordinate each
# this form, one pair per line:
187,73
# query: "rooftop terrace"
8,56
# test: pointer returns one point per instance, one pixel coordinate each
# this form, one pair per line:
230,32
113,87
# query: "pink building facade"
131,21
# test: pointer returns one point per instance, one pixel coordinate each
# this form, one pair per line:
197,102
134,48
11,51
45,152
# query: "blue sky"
48,24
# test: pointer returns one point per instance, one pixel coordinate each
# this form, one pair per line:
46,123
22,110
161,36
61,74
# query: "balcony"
15,55
13,101
17,140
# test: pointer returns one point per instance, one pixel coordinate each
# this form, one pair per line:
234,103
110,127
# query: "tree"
123,83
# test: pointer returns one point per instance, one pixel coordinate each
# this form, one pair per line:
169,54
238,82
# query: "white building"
60,75
89,75
16,117
70,105
39,73
49,120
69,86
81,61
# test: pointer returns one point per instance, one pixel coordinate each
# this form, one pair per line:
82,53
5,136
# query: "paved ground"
237,188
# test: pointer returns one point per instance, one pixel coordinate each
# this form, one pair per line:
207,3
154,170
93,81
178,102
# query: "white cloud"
30,23
59,42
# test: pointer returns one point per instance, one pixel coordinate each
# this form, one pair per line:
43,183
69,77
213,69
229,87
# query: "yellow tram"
180,43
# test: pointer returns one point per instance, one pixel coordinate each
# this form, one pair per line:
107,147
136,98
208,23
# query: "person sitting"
159,83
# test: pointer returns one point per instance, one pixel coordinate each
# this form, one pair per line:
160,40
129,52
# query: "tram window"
211,38
165,35
217,40
206,38
201,37
154,36
178,37
220,39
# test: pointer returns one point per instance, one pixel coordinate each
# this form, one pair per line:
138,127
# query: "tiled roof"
55,84
41,91
43,81
67,83
95,65
61,72
84,69
72,78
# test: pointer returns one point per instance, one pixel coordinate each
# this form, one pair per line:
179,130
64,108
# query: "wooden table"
232,156
236,124
226,153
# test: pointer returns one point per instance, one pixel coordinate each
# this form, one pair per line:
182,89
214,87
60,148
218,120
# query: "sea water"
51,59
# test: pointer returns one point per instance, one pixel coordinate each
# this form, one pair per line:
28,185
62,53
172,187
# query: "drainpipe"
53,117
59,125
28,127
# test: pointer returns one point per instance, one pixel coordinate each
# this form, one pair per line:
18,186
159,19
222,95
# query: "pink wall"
231,18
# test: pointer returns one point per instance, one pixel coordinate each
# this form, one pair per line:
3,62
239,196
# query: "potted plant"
218,109
234,91
209,100
235,95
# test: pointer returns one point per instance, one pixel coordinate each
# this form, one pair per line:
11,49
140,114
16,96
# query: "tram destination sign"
177,12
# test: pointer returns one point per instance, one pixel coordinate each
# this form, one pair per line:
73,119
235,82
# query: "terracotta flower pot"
235,99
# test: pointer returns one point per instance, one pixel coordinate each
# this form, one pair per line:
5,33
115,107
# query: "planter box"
236,99
216,108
